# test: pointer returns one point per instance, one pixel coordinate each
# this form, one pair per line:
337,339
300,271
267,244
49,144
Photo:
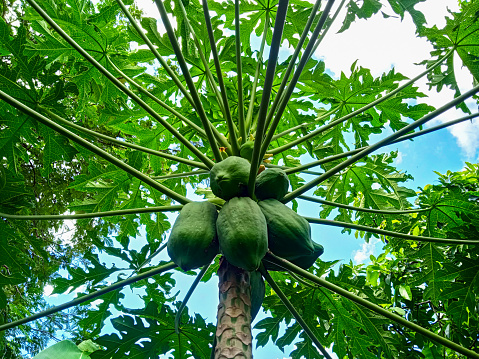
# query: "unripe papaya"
289,234
258,292
304,262
307,261
193,242
271,183
246,150
242,233
229,178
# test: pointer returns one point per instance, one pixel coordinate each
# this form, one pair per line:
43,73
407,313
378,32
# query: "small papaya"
271,183
229,178
258,292
242,233
223,153
246,149
289,234
193,242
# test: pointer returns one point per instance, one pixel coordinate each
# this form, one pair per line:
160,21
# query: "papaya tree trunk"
233,330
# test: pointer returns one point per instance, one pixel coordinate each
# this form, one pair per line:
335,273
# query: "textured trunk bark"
233,330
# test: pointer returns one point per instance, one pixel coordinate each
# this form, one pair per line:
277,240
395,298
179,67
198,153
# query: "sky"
378,44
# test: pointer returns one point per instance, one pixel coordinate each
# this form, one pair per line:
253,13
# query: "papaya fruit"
307,261
246,150
271,183
304,262
223,153
229,178
289,234
242,233
258,292
193,242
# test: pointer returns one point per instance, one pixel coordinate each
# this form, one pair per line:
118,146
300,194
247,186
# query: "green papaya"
289,234
258,292
242,233
271,183
193,242
307,261
246,150
304,262
229,178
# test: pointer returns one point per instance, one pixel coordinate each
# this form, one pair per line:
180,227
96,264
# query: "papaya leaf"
65,349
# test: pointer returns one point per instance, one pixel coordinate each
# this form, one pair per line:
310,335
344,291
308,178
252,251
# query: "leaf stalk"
362,209
361,110
155,52
409,237
120,85
221,83
293,311
189,80
400,139
292,61
239,74
249,115
124,143
187,297
371,306
294,80
88,297
290,196
119,212
157,100
267,87
96,150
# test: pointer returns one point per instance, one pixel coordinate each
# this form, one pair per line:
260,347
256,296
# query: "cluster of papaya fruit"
244,229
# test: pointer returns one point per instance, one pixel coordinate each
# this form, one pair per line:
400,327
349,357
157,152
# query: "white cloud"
394,45
467,137
66,231
47,290
399,158
361,255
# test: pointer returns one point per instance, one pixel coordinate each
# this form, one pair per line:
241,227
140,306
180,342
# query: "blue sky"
395,45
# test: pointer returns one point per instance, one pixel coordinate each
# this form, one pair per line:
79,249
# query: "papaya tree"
113,119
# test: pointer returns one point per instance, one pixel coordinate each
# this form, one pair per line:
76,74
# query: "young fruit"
258,291
193,242
289,234
246,150
271,183
242,233
229,178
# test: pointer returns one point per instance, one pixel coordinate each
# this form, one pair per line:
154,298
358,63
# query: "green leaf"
271,330
193,338
405,291
79,276
402,6
461,33
363,11
65,349
463,291
431,257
